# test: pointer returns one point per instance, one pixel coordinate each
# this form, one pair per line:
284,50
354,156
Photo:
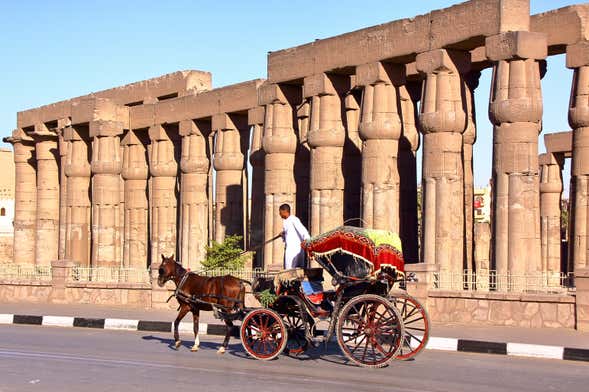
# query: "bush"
225,255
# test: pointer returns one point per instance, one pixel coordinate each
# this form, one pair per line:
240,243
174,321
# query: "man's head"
284,211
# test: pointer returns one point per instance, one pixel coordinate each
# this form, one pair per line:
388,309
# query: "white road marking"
6,318
446,344
535,350
58,321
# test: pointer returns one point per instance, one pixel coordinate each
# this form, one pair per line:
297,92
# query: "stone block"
442,59
516,45
380,72
548,311
577,55
256,115
323,84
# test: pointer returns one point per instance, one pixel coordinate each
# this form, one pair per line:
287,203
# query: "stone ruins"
118,177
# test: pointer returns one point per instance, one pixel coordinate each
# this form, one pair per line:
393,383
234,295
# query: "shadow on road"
331,353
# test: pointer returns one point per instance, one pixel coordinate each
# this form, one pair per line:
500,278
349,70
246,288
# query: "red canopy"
377,247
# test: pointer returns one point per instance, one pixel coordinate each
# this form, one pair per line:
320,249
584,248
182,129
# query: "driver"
293,233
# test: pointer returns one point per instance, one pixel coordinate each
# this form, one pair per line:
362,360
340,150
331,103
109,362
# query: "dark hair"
284,207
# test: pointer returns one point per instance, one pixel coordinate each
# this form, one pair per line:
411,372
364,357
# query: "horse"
221,294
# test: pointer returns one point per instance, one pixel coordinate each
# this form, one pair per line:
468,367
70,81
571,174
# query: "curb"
434,343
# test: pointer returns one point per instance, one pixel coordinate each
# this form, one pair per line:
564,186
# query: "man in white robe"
293,233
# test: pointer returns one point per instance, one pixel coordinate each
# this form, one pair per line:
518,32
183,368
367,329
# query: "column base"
582,299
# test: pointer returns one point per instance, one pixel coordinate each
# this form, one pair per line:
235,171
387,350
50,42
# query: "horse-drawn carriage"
368,310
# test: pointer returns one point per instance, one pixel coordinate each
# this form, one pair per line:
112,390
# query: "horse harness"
194,300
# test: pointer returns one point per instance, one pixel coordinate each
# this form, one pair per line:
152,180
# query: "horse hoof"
178,344
221,351
194,349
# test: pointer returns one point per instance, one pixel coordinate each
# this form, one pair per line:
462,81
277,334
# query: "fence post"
60,271
425,275
582,300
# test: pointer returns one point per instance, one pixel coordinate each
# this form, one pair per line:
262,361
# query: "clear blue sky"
58,49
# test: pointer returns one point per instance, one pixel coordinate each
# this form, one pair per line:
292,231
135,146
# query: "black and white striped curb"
434,343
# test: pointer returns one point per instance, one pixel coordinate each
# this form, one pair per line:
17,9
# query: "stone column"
482,246
380,130
25,199
106,170
352,158
582,298
47,230
62,147
471,82
135,173
516,112
194,197
443,120
78,206
407,164
302,163
255,119
280,145
550,192
163,167
326,138
229,162
578,59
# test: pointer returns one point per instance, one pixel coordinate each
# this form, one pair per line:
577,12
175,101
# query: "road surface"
52,359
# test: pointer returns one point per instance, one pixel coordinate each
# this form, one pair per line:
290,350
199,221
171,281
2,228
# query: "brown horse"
223,294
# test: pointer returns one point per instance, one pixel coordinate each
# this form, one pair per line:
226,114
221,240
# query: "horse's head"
167,270
260,284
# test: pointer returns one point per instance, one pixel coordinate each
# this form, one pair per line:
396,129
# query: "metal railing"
245,274
25,272
490,280
109,275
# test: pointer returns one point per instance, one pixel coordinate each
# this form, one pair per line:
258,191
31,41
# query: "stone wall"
134,295
6,249
24,291
505,309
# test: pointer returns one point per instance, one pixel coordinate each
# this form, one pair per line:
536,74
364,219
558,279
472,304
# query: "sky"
58,49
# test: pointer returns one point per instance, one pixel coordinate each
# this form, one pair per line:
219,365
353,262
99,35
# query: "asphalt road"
53,359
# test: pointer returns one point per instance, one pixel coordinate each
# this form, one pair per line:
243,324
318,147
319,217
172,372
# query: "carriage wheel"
297,342
415,322
263,334
369,330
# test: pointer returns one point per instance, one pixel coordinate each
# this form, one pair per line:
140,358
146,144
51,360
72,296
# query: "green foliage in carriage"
380,237
266,298
226,255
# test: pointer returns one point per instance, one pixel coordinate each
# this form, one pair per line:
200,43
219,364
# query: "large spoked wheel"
263,334
369,330
297,342
415,323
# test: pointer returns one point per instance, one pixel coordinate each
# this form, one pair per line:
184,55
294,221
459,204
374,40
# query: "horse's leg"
228,328
195,315
184,308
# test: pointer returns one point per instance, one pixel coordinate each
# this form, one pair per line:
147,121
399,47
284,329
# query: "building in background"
482,204
6,204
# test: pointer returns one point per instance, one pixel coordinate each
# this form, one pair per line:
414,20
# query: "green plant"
227,254
266,298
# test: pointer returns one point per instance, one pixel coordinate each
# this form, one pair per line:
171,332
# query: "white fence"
490,280
245,274
109,275
25,272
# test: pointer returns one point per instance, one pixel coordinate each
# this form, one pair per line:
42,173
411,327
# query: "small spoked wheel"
369,330
263,334
415,323
297,333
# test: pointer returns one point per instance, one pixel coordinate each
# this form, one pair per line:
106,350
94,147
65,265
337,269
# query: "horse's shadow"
232,349
329,354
